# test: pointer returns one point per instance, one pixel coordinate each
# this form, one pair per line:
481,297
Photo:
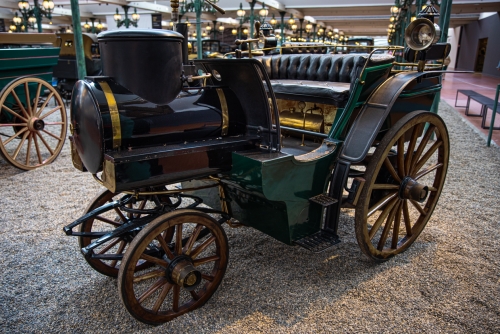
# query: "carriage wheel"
404,179
190,253
108,221
36,133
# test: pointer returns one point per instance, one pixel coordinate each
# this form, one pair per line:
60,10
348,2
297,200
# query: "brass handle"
190,78
217,8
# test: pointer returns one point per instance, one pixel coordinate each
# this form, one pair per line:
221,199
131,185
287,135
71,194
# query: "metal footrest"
319,241
323,200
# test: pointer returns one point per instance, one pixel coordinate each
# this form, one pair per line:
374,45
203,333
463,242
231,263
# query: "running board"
319,241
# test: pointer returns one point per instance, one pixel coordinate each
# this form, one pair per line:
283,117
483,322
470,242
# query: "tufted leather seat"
321,78
303,48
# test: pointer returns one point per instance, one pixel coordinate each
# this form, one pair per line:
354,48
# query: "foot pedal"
319,241
323,200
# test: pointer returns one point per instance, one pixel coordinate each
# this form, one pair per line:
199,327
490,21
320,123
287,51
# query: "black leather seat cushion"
336,93
323,78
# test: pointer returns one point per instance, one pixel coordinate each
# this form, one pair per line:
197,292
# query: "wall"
453,36
471,33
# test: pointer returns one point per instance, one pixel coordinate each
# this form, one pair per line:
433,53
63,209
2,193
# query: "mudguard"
372,116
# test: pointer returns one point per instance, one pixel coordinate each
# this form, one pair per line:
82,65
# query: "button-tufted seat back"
323,78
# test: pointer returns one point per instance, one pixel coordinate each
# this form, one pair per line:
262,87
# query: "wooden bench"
469,94
488,104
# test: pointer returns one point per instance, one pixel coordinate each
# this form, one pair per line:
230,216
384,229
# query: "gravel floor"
448,281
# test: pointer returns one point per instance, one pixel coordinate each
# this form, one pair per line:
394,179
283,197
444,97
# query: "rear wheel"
404,179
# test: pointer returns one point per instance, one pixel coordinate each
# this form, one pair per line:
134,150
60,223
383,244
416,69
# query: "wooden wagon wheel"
108,221
190,253
404,179
36,132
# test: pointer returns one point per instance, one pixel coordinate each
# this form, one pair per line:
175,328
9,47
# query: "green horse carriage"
170,136
32,114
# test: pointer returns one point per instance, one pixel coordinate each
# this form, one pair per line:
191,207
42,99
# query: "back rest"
303,48
315,67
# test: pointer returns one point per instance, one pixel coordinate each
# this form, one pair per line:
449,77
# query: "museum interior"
158,158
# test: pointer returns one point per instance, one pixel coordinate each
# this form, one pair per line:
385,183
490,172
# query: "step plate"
323,200
319,241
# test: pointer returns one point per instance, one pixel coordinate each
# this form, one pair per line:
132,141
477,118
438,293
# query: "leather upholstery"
298,48
323,78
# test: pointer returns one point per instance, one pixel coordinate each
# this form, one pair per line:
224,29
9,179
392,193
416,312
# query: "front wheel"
189,251
404,179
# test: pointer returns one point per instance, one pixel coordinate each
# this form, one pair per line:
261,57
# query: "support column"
77,32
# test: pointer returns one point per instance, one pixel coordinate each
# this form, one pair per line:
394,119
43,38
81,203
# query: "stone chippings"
447,282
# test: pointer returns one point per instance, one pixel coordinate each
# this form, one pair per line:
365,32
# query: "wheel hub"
411,189
182,272
36,124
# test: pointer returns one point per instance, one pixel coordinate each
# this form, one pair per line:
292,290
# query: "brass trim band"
113,112
225,112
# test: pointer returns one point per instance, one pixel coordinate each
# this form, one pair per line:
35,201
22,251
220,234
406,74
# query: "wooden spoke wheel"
33,129
404,179
189,250
107,222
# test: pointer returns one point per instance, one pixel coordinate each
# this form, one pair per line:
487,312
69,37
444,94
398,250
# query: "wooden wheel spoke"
50,112
13,124
18,101
21,143
153,259
426,156
432,189
109,246
149,275
381,218
54,123
53,135
141,207
395,232
158,284
401,156
207,277
45,143
428,170
178,239
202,247
37,147
206,260
387,227
194,295
385,186
390,168
161,298
192,239
120,250
14,136
417,130
12,112
175,301
418,207
381,203
406,216
121,215
39,112
37,96
165,247
109,221
423,144
28,99
28,150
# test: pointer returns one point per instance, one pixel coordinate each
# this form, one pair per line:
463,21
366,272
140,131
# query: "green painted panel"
272,193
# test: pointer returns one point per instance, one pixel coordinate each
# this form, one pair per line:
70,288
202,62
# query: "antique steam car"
165,136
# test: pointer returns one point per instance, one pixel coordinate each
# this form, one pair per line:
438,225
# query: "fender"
372,115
